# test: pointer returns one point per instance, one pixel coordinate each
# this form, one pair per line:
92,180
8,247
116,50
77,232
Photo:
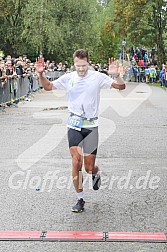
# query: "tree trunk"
159,28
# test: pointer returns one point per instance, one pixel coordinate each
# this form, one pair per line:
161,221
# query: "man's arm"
119,83
47,85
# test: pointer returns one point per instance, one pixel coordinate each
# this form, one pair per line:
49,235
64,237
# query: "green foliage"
143,23
57,28
107,43
11,25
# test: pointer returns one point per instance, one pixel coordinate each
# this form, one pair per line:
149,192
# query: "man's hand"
114,71
113,67
39,65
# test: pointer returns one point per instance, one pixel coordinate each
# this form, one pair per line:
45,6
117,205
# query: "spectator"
2,69
19,68
162,76
136,73
9,68
165,73
147,74
141,74
141,63
153,74
146,57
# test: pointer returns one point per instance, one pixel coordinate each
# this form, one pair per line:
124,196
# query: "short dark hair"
81,54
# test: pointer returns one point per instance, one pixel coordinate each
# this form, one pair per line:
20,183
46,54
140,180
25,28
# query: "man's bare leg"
91,168
77,161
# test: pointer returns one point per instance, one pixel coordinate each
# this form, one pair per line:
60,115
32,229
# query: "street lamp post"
123,50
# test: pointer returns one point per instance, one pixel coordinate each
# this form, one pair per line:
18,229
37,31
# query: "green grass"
157,84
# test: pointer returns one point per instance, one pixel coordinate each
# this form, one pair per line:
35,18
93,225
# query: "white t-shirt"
84,93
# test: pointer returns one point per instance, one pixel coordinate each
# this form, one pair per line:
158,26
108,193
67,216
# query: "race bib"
75,122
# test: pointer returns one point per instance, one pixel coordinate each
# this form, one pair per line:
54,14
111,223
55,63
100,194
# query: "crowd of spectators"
12,69
140,67
144,67
22,66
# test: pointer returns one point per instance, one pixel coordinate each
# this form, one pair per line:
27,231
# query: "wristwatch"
117,75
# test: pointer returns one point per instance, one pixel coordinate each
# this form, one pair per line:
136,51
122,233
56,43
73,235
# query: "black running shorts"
87,139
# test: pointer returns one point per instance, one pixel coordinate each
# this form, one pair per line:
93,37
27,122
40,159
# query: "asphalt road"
35,170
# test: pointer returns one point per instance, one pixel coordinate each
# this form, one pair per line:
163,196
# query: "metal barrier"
54,75
14,88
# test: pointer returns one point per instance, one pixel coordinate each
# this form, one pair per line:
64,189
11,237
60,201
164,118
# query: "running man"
83,89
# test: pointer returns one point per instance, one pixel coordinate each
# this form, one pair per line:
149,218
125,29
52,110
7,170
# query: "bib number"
75,122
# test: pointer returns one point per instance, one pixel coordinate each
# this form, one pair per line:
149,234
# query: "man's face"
81,66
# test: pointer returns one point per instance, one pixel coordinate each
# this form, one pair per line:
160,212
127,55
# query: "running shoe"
96,181
79,207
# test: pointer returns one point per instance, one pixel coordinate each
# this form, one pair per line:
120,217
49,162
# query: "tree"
107,42
11,18
159,20
59,27
143,23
